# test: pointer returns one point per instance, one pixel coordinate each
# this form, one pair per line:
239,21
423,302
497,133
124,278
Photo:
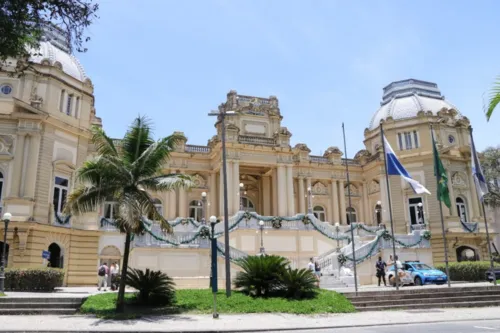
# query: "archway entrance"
6,253
56,258
466,253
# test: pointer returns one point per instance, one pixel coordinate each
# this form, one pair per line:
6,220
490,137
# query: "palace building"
45,117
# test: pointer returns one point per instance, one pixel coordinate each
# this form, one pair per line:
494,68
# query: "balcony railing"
318,159
256,140
197,149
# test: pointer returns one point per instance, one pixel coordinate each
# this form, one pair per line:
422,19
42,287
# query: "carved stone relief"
354,190
458,180
199,181
374,187
6,142
319,189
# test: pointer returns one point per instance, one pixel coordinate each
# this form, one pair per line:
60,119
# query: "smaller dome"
404,99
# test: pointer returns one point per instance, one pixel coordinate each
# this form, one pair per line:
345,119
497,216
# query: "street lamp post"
309,201
261,226
337,229
221,115
242,190
6,219
213,242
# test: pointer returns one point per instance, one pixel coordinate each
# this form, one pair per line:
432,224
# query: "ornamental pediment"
319,188
199,181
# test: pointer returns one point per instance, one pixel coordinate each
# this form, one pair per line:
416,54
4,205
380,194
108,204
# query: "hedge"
470,271
33,279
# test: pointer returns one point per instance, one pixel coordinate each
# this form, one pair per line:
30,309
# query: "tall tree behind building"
490,161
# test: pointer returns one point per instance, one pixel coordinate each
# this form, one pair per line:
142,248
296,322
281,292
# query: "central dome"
404,99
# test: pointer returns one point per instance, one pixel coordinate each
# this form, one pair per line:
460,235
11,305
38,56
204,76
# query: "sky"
326,61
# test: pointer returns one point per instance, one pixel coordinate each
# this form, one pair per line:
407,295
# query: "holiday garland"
470,227
61,219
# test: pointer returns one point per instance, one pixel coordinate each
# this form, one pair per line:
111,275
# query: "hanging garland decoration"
470,227
105,222
342,258
184,221
61,219
202,232
426,235
356,226
276,223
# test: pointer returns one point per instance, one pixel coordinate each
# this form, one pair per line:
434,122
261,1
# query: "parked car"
489,274
405,277
423,274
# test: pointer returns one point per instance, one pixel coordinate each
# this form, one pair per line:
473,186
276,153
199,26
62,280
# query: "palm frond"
168,182
494,99
154,157
104,169
137,140
104,144
87,198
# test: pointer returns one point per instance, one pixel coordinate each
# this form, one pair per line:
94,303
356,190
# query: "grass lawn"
2,294
200,301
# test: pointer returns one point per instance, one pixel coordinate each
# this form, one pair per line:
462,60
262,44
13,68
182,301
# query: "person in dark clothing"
380,266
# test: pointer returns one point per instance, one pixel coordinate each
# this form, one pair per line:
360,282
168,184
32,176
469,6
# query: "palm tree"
494,99
124,171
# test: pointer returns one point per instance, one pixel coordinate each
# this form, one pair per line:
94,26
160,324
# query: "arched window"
461,209
351,215
319,213
196,210
466,253
247,204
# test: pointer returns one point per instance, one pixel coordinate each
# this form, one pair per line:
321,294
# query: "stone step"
430,306
412,291
8,299
457,299
54,311
425,294
27,304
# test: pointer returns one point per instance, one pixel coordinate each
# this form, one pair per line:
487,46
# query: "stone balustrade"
256,140
197,149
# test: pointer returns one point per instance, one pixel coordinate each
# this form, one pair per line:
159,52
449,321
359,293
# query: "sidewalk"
240,323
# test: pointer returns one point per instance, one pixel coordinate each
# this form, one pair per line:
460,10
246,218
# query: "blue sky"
326,61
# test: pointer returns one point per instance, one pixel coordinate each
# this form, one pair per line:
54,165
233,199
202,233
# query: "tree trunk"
120,303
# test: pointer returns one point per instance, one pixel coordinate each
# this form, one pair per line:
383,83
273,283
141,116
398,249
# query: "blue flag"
394,168
477,172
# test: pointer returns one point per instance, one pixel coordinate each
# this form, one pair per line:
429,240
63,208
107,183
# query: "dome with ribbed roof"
404,99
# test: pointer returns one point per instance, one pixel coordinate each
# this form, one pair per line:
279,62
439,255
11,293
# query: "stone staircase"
426,298
40,305
331,282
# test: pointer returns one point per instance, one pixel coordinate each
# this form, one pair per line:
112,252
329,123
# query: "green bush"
154,287
470,271
270,275
31,279
260,275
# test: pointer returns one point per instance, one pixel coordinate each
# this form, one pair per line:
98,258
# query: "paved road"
481,326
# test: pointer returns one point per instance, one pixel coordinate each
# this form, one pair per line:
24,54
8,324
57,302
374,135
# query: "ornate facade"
46,114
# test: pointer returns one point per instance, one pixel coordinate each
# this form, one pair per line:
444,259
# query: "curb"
277,329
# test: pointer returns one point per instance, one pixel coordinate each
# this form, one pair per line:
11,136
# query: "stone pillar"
384,200
302,199
212,195
18,165
289,190
183,209
282,195
335,201
367,210
32,166
236,188
476,210
171,205
309,186
266,195
229,188
453,208
343,217
275,192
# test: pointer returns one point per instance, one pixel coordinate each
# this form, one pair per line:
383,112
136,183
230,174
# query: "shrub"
470,271
298,283
261,274
46,279
154,287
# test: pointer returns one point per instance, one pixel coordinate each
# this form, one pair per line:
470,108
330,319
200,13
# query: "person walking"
102,274
380,266
317,272
113,272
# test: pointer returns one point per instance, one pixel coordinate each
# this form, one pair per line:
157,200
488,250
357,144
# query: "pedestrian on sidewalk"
380,266
317,272
102,274
113,271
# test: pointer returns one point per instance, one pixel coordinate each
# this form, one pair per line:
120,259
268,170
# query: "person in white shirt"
310,265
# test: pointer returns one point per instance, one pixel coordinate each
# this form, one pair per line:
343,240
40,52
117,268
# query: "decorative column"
367,210
302,200
182,202
212,194
171,205
282,195
275,192
229,188
475,200
453,208
309,186
32,167
18,165
289,190
335,201
236,188
343,217
383,199
266,195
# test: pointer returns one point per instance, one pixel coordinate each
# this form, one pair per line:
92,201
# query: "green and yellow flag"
442,178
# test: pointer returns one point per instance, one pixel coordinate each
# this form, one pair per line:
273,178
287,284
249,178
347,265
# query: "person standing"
102,274
113,271
380,266
317,272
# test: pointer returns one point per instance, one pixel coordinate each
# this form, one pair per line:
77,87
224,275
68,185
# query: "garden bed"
200,301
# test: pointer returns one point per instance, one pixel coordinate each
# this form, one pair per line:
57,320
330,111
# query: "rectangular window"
400,141
69,104
110,210
408,140
61,100
415,139
60,194
415,211
77,107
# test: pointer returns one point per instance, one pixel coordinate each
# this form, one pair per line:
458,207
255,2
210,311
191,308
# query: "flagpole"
445,242
390,207
350,214
485,220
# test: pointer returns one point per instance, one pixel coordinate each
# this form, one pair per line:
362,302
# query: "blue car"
424,274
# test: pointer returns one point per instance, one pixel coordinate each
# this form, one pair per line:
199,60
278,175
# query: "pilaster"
32,167
236,188
282,194
343,217
18,165
366,206
453,208
289,190
212,194
266,195
335,202
302,201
